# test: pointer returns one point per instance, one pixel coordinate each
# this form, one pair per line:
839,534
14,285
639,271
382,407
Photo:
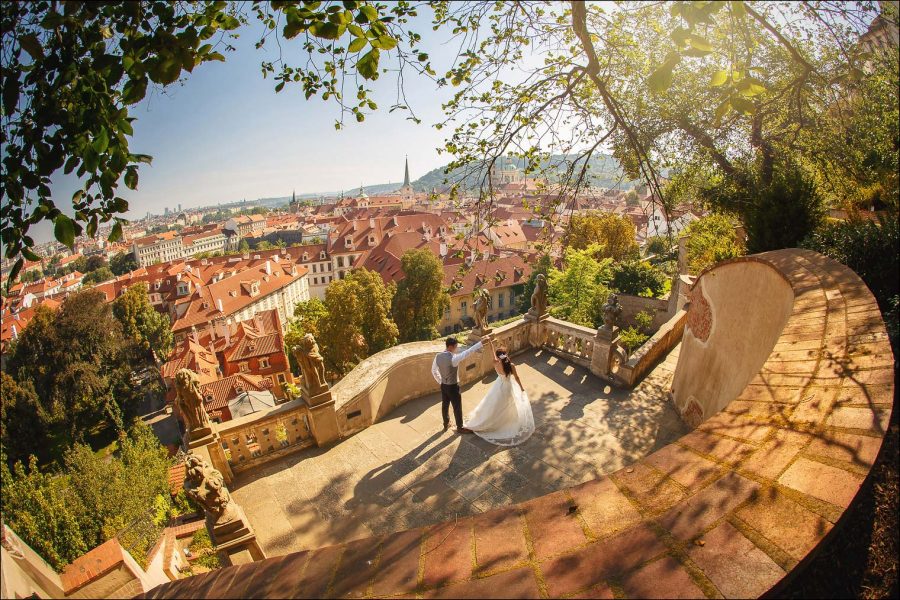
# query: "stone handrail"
660,343
572,342
386,380
263,436
731,509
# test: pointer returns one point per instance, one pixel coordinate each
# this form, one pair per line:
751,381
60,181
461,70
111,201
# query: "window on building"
340,261
244,367
264,362
281,378
500,297
464,307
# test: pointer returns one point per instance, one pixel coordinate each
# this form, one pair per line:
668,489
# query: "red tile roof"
217,394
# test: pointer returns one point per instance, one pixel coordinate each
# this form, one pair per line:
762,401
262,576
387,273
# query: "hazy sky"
224,135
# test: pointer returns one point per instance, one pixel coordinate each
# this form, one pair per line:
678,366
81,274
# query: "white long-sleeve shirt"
454,360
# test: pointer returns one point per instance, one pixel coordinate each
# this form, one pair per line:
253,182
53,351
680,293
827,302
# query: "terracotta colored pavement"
406,472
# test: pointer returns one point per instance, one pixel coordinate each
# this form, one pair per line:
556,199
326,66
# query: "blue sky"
223,134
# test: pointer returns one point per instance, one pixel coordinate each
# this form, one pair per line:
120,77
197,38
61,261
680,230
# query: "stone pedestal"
605,344
531,316
323,419
210,448
235,538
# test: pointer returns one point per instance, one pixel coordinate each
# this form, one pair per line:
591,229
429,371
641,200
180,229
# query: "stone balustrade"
257,438
650,352
569,341
790,418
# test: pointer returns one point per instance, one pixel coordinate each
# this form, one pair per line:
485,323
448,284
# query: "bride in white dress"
504,416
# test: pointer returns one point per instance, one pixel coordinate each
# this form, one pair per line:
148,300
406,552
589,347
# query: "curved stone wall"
729,510
737,311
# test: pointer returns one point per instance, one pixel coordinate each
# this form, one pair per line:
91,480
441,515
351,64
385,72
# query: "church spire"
406,173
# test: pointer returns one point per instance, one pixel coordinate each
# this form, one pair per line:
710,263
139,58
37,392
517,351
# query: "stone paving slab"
406,472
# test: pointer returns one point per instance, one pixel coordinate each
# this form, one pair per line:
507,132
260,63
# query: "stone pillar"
323,418
606,348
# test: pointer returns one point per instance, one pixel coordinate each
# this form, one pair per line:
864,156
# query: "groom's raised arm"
461,356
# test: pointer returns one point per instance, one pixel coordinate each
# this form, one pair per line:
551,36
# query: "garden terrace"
785,369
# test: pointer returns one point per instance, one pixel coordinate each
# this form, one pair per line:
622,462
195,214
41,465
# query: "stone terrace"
405,472
730,509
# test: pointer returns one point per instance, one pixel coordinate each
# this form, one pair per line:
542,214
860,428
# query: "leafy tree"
123,262
710,240
99,276
19,419
44,511
307,316
541,267
638,278
659,246
358,323
612,235
62,516
142,322
578,291
94,262
420,300
244,246
79,362
632,198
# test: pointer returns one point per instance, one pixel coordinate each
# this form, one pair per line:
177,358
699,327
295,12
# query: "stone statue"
190,401
612,310
312,365
481,305
539,296
206,486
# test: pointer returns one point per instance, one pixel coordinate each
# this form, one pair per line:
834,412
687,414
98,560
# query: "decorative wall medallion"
699,317
692,414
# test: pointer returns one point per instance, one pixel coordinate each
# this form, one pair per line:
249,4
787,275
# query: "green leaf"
116,232
661,78
368,64
101,142
721,110
369,13
357,44
742,105
718,78
387,42
356,30
216,56
750,86
327,30
32,46
14,272
131,178
167,72
30,255
134,90
64,230
699,43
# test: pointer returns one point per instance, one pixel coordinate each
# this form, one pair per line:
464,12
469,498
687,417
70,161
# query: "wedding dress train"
504,416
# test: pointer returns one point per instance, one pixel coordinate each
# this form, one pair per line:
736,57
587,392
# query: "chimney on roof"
372,222
268,267
219,304
15,332
443,249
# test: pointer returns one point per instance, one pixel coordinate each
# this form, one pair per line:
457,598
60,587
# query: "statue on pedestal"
539,297
206,486
190,402
481,305
612,310
312,365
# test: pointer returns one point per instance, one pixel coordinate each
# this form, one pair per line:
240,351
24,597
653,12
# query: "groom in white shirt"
445,372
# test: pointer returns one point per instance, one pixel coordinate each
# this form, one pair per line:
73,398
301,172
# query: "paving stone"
356,568
860,418
599,561
604,508
598,592
774,455
448,552
725,449
499,540
686,467
790,526
554,525
708,505
821,481
664,577
653,490
319,571
860,450
734,564
398,566
518,583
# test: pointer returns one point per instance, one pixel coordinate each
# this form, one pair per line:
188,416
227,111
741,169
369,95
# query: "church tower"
407,189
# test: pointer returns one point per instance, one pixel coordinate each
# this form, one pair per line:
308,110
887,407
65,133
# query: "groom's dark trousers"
450,395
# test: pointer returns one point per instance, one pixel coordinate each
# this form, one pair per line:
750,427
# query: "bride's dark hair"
503,355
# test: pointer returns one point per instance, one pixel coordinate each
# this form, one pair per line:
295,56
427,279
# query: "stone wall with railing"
569,341
265,435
